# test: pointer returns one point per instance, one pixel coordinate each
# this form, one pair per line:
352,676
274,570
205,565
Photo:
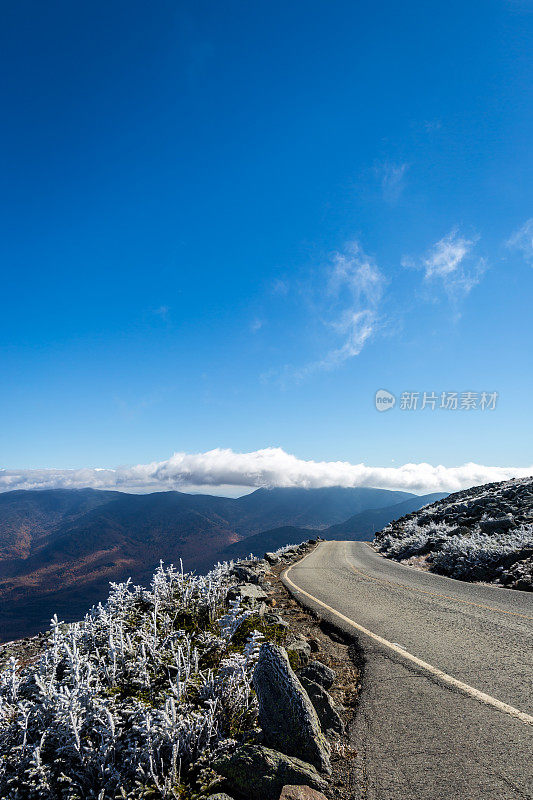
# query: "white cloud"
162,312
392,178
271,467
451,264
522,240
357,326
354,288
280,286
358,274
446,256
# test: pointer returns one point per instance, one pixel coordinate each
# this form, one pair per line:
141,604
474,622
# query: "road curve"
447,701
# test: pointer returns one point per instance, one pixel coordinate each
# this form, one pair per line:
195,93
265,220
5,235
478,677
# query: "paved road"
417,735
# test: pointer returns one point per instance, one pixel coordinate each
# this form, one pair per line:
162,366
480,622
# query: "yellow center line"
432,594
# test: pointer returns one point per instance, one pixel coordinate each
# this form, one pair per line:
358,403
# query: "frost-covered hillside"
137,698
479,534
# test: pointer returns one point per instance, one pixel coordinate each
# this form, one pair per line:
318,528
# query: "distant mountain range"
365,524
59,548
357,528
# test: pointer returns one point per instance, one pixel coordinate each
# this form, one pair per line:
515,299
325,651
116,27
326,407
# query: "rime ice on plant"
461,549
123,702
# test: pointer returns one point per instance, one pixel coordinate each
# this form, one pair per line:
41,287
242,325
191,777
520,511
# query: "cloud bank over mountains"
270,467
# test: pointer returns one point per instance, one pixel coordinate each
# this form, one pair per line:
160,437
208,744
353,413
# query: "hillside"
263,542
60,548
308,508
480,534
364,525
358,528
161,691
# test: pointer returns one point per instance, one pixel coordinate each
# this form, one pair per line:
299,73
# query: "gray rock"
286,714
301,793
219,796
247,574
247,571
247,591
275,619
319,673
324,706
272,558
520,576
302,648
498,525
260,773
288,556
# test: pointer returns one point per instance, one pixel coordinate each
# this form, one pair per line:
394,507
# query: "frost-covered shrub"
475,534
284,549
480,555
124,702
416,539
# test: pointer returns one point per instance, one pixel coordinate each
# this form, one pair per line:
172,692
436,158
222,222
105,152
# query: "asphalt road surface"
446,711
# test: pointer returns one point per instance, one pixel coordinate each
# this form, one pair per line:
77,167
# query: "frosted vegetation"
483,533
132,701
466,557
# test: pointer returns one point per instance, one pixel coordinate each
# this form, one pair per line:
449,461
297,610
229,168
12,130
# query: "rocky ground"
480,534
328,668
289,741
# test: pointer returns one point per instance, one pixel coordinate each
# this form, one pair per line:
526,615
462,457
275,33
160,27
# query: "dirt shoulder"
342,654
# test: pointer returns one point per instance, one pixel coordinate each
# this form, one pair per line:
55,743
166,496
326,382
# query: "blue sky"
228,225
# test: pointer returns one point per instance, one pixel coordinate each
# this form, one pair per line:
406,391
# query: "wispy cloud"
432,125
451,264
162,312
354,287
446,256
522,240
256,325
270,467
280,286
392,178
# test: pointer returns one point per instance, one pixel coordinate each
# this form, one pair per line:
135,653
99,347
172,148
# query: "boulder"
301,793
247,574
286,714
247,591
257,772
324,706
275,619
519,576
498,525
288,555
219,796
248,571
302,648
272,558
319,673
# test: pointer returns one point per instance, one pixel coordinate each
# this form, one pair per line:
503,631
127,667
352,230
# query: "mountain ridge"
59,548
358,528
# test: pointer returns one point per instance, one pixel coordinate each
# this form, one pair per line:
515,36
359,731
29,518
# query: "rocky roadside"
307,691
306,681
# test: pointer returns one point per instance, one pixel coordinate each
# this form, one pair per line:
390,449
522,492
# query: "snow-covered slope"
480,534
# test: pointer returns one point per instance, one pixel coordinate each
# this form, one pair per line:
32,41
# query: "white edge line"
438,673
